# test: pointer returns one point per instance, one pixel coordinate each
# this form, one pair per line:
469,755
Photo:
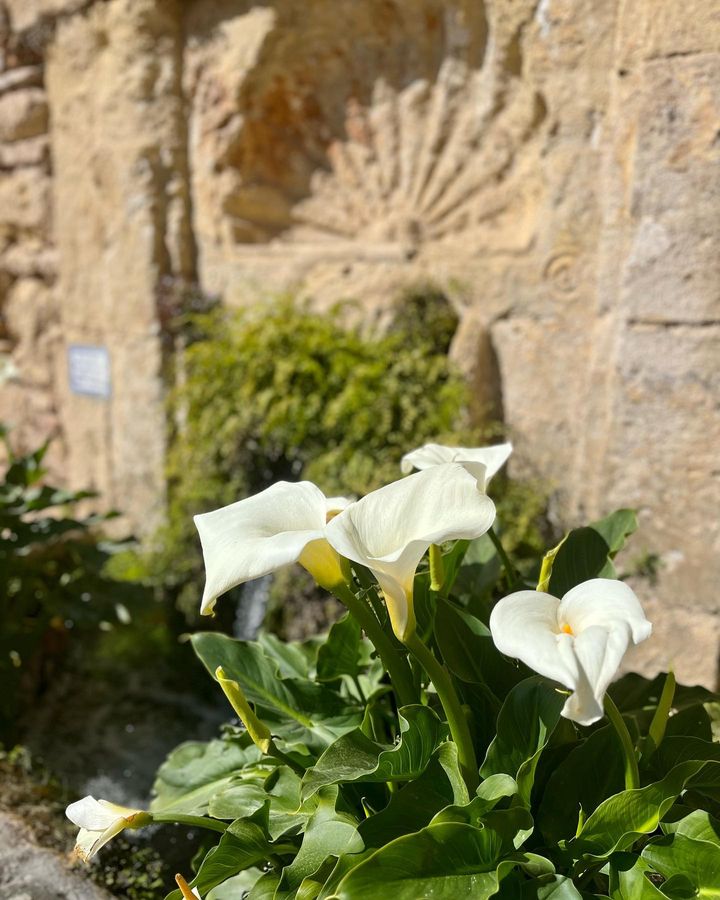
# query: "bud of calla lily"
493,458
259,732
578,641
281,525
390,529
99,821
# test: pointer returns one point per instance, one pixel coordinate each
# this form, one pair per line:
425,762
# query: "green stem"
366,581
193,821
360,692
453,710
632,774
393,660
278,754
510,570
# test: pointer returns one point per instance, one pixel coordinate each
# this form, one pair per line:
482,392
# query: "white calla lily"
281,525
390,529
493,458
99,821
578,641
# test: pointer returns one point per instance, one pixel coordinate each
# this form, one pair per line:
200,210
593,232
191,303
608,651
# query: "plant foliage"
357,798
53,580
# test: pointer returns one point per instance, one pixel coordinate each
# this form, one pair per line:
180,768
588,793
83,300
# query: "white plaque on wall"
89,370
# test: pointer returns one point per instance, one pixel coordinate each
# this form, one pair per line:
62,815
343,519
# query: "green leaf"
698,825
588,552
293,659
340,870
569,790
621,819
413,805
452,562
628,880
675,750
638,698
196,771
311,885
237,887
244,845
446,861
697,861
514,825
634,693
339,655
239,799
560,888
489,793
469,651
293,707
478,575
526,722
280,790
265,887
328,833
354,757
460,638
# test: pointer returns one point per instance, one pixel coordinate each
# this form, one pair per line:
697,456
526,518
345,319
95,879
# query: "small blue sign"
89,370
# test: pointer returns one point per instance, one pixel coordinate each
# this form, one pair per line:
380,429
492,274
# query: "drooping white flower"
99,821
281,525
493,458
390,529
579,641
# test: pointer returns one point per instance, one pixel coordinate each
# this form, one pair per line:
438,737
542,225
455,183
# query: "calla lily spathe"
493,458
578,641
281,525
390,529
99,821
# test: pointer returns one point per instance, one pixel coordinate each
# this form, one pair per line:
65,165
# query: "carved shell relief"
350,159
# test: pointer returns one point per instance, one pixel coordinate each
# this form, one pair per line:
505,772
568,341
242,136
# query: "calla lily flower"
281,525
99,821
493,458
579,641
390,529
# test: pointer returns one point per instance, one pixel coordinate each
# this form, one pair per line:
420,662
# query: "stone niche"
550,166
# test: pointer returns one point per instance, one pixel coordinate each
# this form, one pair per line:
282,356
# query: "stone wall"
551,165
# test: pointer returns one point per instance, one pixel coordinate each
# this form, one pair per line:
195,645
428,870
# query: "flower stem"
193,821
632,774
392,658
453,710
278,754
510,570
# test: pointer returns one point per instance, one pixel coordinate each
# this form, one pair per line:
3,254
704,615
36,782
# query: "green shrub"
280,392
53,580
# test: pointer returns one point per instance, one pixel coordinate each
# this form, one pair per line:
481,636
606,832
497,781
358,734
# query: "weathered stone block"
24,76
24,202
23,114
31,152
